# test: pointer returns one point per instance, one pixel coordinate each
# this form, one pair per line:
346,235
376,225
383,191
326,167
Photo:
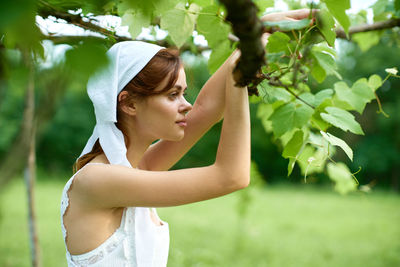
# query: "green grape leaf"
294,145
379,7
183,17
271,94
291,164
342,119
318,98
264,111
145,7
308,97
326,24
341,175
289,116
92,6
337,9
319,122
212,26
335,141
318,72
321,96
278,42
292,149
163,7
18,28
86,59
316,117
325,49
135,20
288,25
218,55
203,3
358,96
366,40
374,82
326,62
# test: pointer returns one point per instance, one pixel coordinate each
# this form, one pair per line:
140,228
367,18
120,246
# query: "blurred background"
277,221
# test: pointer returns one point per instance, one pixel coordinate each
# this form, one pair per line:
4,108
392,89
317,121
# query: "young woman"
140,98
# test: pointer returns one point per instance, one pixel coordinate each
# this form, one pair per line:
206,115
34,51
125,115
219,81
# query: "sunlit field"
283,226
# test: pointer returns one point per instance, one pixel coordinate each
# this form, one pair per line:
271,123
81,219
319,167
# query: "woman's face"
162,116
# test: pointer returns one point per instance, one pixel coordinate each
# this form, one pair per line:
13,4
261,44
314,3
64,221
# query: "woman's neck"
136,151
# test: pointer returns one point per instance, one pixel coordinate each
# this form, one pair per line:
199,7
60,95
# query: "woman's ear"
127,104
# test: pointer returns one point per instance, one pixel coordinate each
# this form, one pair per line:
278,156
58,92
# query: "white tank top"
138,242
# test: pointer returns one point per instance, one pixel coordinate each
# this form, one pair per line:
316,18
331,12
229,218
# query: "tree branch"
247,26
381,25
77,20
74,39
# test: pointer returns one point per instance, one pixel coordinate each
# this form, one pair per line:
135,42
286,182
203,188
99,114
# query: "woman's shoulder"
87,169
100,174
90,169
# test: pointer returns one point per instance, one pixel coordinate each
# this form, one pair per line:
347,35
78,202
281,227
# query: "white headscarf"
127,59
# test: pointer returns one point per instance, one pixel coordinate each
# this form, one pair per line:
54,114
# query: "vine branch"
381,25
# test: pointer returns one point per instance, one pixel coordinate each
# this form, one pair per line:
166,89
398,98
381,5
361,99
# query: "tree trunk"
30,169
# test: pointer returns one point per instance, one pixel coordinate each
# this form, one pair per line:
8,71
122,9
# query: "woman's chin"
177,137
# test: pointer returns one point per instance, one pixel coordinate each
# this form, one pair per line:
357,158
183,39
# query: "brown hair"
165,64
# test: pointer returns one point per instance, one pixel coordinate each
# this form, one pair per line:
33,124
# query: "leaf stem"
377,98
354,177
380,106
278,83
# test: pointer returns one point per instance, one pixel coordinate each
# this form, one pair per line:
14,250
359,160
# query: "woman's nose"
186,106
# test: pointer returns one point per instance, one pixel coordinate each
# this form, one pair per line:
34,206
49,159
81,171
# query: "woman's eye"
173,95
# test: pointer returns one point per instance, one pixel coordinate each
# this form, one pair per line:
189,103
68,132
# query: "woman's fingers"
300,13
264,38
297,14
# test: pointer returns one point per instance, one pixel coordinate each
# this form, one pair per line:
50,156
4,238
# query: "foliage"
300,55
378,151
300,116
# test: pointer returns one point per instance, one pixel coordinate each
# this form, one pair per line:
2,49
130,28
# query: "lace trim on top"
101,251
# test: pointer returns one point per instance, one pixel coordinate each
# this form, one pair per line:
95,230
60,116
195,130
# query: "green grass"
283,226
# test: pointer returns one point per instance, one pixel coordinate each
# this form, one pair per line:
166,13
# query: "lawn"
283,226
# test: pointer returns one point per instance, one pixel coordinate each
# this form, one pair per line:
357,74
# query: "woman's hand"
292,15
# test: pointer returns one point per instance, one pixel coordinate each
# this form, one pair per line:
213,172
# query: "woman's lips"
182,123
